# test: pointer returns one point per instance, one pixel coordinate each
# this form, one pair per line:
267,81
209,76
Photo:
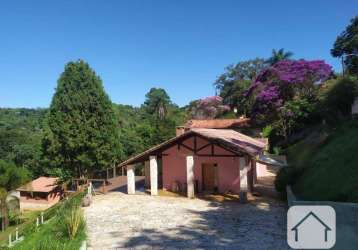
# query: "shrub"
287,176
74,221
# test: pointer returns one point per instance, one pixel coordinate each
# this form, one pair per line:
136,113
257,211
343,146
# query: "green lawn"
330,162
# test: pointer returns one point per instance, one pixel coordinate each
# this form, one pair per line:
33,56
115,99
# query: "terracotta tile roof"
41,184
233,139
227,138
218,123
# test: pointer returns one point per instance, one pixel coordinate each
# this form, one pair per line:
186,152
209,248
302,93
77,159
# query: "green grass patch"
51,236
330,171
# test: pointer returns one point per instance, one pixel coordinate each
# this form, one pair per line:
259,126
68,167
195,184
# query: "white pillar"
190,176
130,179
147,174
153,165
243,179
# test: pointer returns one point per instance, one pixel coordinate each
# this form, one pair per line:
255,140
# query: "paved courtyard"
120,221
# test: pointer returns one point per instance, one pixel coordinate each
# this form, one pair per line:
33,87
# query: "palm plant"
279,55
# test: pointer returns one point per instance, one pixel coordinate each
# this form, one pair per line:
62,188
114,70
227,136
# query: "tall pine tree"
81,134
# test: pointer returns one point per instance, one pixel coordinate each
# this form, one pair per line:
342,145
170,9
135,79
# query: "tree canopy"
207,108
157,102
234,82
81,135
346,46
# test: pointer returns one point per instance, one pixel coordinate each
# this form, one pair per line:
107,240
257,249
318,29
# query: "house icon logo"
311,227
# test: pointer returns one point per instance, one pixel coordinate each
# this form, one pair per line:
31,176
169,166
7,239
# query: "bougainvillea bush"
208,108
285,81
286,92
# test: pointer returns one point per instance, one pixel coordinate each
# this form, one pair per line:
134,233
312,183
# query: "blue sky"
181,46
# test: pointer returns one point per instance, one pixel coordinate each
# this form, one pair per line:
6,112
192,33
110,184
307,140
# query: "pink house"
42,192
200,160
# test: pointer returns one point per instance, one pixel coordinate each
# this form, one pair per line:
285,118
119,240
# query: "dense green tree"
279,55
157,102
81,135
346,46
235,81
161,116
21,132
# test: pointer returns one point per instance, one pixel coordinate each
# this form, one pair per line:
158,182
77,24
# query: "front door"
208,176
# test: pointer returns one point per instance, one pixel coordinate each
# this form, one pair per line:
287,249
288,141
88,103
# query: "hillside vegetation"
324,164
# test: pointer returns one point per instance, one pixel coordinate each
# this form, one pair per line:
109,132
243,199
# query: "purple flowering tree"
285,81
208,108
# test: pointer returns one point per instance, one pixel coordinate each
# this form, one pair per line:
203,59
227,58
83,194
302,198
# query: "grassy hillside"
327,164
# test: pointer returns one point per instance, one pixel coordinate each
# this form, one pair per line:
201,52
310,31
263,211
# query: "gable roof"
41,184
218,123
227,138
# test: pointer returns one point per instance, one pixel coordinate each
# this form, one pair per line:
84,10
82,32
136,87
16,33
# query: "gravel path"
120,221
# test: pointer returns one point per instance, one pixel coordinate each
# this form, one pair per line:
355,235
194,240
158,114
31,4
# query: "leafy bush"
336,98
287,176
266,131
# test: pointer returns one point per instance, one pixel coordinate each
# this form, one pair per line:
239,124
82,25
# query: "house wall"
174,166
28,200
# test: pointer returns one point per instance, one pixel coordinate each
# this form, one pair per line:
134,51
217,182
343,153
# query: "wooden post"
190,176
130,179
37,222
114,172
42,217
17,234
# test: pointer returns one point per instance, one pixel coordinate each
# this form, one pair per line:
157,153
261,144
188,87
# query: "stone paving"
120,221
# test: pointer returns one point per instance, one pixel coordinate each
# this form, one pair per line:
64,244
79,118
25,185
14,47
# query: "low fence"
22,230
346,219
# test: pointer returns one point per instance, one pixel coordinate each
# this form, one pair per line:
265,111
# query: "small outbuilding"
40,193
200,160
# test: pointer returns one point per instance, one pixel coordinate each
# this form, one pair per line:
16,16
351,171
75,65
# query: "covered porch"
199,161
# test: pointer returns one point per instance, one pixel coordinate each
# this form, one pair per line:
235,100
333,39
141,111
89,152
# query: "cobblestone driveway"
120,221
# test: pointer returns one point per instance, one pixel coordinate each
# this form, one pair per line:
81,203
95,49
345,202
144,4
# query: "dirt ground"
120,221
